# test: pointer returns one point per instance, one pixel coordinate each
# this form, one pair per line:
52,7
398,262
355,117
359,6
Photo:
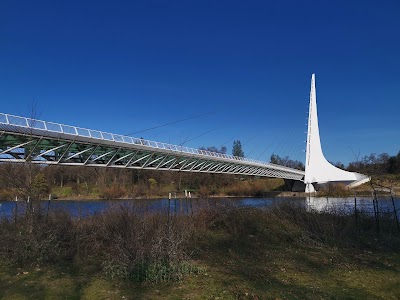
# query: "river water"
89,207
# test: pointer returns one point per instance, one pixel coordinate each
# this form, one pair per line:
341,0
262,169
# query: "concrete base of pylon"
309,188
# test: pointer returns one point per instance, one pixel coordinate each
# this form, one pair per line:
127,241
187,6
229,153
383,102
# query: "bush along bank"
263,253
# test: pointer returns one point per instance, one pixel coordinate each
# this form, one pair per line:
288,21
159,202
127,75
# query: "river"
89,207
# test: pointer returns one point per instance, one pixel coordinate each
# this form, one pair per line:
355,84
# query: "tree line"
376,164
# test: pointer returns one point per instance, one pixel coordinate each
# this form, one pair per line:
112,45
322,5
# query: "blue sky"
244,66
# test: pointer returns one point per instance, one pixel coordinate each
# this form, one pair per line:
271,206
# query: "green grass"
274,273
75,192
54,283
62,192
283,253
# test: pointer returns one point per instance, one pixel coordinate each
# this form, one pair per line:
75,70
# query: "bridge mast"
318,169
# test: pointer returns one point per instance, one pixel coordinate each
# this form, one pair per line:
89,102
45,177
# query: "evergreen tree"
237,149
39,186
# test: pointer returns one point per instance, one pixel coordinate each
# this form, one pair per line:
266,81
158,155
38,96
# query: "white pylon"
318,169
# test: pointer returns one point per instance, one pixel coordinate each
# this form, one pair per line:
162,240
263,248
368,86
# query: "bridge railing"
106,136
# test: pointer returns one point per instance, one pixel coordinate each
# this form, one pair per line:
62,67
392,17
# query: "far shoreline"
282,194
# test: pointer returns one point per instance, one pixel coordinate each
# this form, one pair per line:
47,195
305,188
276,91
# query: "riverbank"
199,186
219,252
260,187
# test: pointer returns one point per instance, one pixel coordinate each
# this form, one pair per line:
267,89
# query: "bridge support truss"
26,140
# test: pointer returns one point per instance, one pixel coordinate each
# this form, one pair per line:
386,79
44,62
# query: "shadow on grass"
274,254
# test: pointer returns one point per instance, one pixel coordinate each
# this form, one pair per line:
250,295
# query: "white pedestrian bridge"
24,139
41,142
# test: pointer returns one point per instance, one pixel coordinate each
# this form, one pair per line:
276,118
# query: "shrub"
38,239
112,192
204,192
134,244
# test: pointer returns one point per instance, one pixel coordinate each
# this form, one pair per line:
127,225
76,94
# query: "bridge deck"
25,139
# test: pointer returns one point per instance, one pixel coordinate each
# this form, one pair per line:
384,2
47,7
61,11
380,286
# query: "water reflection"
348,205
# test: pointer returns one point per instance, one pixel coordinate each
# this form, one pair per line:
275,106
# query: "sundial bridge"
25,139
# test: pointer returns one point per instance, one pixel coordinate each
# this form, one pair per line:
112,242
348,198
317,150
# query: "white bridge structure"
319,171
35,141
40,142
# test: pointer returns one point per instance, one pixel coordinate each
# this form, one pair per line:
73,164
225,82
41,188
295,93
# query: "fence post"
376,211
395,212
169,204
355,207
